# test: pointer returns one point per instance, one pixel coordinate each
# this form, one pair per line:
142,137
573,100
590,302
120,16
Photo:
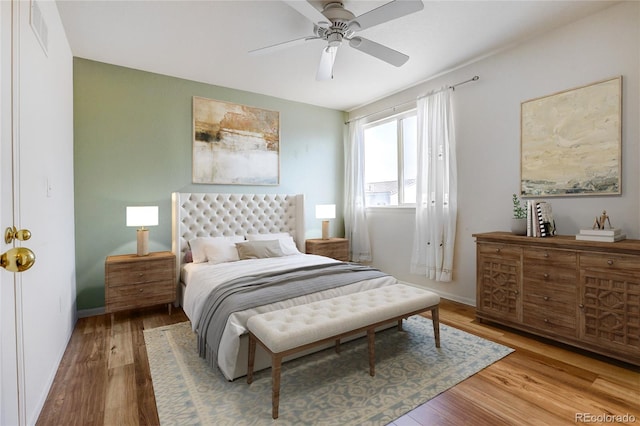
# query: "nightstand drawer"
140,295
124,273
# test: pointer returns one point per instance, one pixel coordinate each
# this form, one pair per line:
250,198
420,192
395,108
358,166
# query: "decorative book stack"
540,221
604,235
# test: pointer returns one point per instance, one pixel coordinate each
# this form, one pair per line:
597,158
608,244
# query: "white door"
12,406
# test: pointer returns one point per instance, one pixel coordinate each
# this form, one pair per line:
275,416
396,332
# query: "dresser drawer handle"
546,320
497,250
141,290
546,276
546,254
546,298
610,262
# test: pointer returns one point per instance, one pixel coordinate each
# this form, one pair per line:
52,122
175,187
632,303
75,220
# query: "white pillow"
215,249
287,244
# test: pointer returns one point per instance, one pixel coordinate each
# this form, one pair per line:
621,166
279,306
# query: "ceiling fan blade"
328,58
282,45
308,11
386,12
379,51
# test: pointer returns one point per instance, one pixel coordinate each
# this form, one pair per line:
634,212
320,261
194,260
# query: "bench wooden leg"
435,318
275,384
252,358
371,338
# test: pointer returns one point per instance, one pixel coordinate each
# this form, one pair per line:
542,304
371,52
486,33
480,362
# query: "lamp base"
143,242
325,229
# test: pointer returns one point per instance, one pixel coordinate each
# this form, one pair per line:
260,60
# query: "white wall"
46,157
487,120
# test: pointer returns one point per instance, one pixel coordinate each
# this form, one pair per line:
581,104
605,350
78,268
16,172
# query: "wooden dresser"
582,293
133,281
336,248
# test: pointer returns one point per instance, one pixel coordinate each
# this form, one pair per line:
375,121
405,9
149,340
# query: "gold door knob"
17,259
11,233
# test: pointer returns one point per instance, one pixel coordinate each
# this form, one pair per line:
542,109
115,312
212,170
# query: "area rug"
324,388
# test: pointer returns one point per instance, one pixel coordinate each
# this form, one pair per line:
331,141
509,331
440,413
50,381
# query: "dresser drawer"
551,298
550,257
542,275
504,251
542,317
606,261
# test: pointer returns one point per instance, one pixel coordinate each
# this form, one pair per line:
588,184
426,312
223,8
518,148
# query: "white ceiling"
208,41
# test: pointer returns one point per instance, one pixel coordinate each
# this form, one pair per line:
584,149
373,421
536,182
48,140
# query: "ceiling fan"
335,24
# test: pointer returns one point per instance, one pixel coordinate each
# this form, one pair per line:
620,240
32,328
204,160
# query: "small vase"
519,226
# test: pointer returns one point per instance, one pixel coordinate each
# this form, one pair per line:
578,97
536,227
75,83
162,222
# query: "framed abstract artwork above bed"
571,142
235,144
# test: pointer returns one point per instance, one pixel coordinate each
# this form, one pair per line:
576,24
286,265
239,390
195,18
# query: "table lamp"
325,211
142,216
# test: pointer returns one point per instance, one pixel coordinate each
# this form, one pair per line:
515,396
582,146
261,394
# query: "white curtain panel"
355,218
436,198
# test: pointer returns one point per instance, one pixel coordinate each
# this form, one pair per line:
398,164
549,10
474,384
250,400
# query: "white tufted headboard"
216,215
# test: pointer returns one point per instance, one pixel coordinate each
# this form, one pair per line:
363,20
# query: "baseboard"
455,298
445,295
83,313
52,375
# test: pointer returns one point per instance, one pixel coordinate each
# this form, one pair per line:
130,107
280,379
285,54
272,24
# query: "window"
390,151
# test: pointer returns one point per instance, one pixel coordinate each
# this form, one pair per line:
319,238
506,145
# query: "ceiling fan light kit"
335,24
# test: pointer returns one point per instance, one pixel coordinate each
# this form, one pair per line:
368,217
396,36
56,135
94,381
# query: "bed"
254,242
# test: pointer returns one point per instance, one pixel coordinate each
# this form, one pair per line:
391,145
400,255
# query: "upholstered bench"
286,331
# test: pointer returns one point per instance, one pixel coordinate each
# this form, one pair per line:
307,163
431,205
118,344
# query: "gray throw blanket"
257,290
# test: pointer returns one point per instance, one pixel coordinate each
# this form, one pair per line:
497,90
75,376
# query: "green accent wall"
132,146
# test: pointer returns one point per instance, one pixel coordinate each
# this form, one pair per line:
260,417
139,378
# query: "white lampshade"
142,216
325,211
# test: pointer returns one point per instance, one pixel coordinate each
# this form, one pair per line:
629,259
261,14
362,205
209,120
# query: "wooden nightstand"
133,281
337,248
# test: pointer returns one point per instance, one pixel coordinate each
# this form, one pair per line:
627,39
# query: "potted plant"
519,220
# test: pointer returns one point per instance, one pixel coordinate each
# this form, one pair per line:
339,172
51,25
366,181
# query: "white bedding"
202,278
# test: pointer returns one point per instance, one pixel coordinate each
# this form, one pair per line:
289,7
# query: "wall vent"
39,26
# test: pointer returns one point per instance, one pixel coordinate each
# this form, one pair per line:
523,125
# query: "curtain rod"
452,87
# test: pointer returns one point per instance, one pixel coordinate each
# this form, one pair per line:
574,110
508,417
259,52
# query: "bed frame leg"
435,318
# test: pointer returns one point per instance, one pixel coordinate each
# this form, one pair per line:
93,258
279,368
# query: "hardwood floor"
104,379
